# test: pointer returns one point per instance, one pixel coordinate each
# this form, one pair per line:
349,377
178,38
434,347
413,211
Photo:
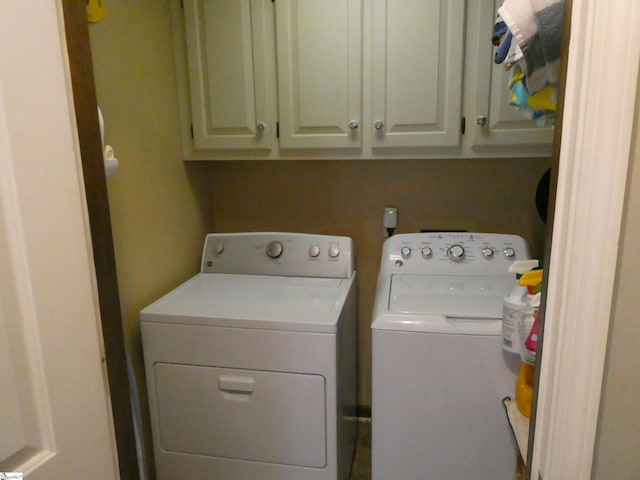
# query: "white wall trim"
597,128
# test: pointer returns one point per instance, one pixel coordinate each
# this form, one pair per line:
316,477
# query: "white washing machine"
251,364
439,370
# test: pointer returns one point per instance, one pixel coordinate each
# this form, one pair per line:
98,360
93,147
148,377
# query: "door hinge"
192,131
463,125
277,129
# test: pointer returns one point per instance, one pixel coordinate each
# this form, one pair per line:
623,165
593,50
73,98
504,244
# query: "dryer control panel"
284,254
452,253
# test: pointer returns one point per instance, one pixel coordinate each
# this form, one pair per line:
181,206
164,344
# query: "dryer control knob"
427,252
218,247
405,252
456,253
509,252
487,252
274,249
334,250
314,251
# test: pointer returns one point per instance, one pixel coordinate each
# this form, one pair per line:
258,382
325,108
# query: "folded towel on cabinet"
536,26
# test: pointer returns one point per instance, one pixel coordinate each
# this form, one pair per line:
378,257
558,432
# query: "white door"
417,73
55,414
319,50
228,48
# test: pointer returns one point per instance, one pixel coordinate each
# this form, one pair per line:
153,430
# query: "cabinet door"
494,122
417,72
319,56
227,44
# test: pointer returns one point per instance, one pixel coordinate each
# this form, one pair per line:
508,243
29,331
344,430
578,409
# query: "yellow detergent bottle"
524,389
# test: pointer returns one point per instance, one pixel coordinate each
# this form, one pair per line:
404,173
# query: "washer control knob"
274,249
487,252
334,250
456,253
218,247
314,251
427,252
405,252
509,252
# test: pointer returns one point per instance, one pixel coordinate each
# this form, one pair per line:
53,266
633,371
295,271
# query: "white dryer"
251,364
439,370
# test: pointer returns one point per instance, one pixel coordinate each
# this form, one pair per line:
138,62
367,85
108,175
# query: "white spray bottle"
512,303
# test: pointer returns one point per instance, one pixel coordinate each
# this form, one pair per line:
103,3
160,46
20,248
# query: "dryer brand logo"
11,476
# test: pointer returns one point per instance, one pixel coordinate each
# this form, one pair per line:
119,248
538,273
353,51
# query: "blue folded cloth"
504,47
499,30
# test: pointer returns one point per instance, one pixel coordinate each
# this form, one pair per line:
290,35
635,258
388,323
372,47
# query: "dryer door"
240,414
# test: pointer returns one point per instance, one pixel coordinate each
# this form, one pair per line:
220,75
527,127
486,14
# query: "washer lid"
453,296
253,301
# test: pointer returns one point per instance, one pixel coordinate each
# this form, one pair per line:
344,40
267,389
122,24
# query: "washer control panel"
452,253
286,254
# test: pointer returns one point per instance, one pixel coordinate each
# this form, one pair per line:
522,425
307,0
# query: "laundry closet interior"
340,109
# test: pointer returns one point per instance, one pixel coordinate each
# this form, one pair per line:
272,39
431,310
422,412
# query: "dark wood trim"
555,162
85,103
363,411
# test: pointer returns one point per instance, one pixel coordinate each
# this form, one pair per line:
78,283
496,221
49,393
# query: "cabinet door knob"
260,126
482,120
378,125
353,125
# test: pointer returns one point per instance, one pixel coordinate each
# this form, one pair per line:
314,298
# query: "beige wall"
160,206
617,454
348,198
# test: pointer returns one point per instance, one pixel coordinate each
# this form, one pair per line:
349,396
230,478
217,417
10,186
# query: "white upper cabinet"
417,61
492,123
319,57
229,71
287,79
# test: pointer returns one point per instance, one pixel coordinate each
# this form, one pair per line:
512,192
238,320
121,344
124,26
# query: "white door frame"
601,92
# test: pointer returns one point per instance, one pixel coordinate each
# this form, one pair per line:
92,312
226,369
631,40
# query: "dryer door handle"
236,384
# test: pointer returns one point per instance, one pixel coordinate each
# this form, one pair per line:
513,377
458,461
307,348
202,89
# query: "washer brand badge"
11,476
